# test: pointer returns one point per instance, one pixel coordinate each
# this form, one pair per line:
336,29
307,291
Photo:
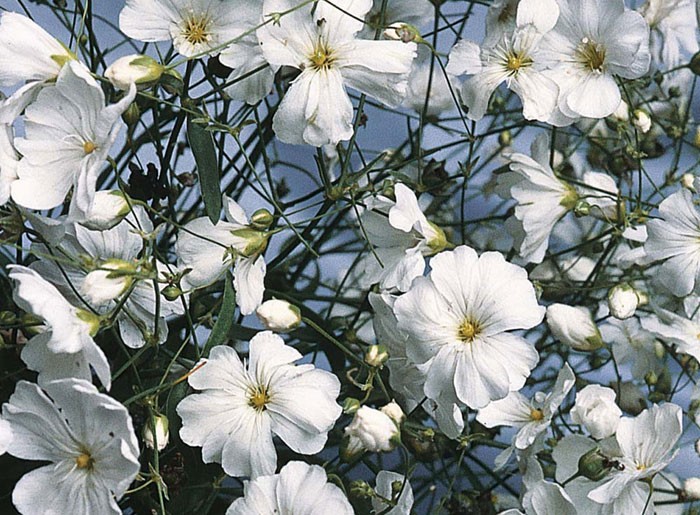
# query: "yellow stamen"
592,55
536,414
196,30
259,398
469,330
89,147
322,57
85,461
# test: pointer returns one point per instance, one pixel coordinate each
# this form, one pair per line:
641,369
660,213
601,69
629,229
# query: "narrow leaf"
202,144
224,322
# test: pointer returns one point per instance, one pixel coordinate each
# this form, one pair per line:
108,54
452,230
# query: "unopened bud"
279,315
695,64
171,292
582,208
376,356
142,70
394,412
400,31
593,465
108,282
172,82
642,120
688,181
261,219
505,138
109,207
162,433
351,405
622,301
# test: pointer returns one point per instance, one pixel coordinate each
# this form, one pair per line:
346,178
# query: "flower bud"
142,70
252,242
688,180
162,434
261,219
279,315
370,430
400,31
622,113
376,356
171,292
351,405
595,409
593,465
574,326
691,488
108,209
108,282
622,301
642,120
695,63
91,319
172,82
394,412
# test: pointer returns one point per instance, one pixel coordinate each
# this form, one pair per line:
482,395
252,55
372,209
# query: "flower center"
85,461
89,147
591,55
517,60
536,414
259,397
469,330
196,29
322,57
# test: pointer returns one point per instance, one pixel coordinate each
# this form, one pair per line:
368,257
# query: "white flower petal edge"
298,488
87,436
243,404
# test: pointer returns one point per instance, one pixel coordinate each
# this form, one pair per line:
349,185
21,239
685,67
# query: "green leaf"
202,144
224,322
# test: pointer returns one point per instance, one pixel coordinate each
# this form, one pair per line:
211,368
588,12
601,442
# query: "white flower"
531,417
69,133
402,237
316,109
394,487
586,50
622,301
65,347
673,24
28,54
244,404
691,488
371,430
194,26
542,199
88,440
298,488
513,60
646,445
162,432
5,436
279,315
574,326
459,321
675,238
544,497
109,207
209,250
596,410
118,247
142,70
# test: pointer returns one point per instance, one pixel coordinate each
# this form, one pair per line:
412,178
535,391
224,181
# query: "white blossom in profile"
68,135
193,26
392,487
514,60
673,30
674,238
243,404
30,57
209,250
681,330
574,326
320,40
531,417
459,321
586,50
65,345
86,437
401,236
298,488
542,199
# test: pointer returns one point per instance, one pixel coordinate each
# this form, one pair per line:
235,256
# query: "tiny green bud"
351,405
593,465
171,292
376,356
261,219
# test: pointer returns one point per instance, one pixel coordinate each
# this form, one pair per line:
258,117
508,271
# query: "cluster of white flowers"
402,309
